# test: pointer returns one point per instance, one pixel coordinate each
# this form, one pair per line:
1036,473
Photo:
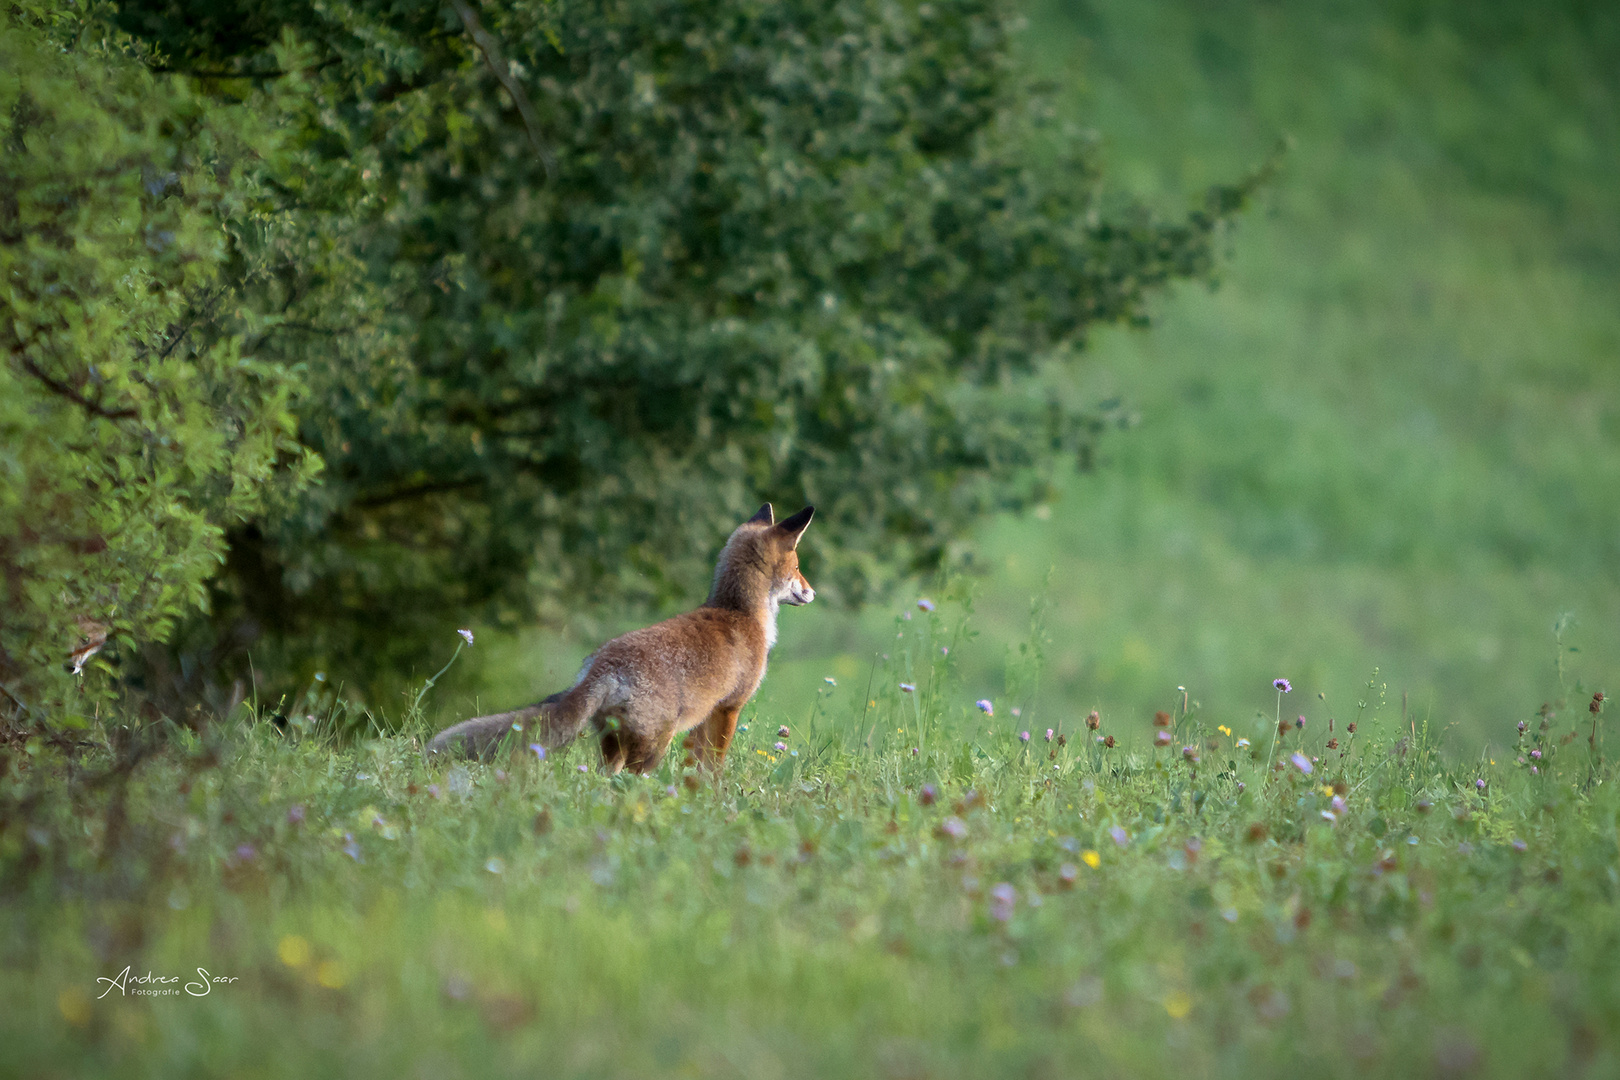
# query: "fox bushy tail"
553,722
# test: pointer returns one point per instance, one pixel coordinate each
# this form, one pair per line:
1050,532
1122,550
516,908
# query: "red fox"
695,671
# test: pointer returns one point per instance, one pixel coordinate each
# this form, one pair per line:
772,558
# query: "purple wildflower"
433,790
1003,898
1303,763
953,828
539,751
246,852
582,768
928,795
984,706
295,814
1535,755
350,848
1049,734
926,604
1479,785
1190,753
779,746
782,732
1282,684
1522,726
466,635
1068,874
1023,736
909,688
1120,837
1162,739
1520,846
1300,723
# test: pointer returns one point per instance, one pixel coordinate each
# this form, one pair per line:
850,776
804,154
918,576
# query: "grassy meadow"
900,887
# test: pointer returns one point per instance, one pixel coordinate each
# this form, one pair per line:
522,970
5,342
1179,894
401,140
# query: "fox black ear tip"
764,515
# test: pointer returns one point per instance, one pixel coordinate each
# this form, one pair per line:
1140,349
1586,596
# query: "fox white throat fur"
692,673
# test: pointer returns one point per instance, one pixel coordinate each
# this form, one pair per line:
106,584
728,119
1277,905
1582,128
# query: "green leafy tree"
580,282
132,432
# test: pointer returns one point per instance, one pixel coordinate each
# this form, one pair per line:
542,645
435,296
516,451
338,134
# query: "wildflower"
582,768
1479,785
1423,806
779,747
926,604
1535,755
1520,846
1049,734
1093,720
1535,770
1023,736
744,727
1161,719
1597,702
246,852
1190,753
433,790
908,688
829,680
1303,763
1120,837
350,848
1162,739
984,706
539,751
1329,817
669,791
1063,740
1091,858
952,828
914,752
1300,723
466,635
1283,685
928,795
1350,727
1002,900
1224,730
1522,727
782,732
1108,741
1242,744
295,814
1333,744
1339,805
1068,874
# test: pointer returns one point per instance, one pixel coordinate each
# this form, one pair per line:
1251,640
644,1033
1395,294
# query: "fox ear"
794,526
766,516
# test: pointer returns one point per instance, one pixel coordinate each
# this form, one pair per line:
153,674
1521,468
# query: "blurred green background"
1389,439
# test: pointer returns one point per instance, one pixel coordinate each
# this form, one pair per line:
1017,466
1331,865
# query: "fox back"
693,673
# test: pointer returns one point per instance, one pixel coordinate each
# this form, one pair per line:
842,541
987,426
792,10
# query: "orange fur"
694,672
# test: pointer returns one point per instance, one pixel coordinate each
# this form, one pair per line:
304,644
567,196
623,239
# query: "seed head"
1161,719
1093,720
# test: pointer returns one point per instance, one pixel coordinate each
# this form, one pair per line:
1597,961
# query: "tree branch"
503,73
62,389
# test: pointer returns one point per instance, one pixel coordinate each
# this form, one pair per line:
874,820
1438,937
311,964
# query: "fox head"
760,563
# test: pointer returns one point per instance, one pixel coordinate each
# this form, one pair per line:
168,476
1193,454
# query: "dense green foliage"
909,889
130,436
600,273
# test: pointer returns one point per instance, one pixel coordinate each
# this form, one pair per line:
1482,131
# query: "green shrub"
585,280
132,429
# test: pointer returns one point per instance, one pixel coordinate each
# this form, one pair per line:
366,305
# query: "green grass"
817,913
